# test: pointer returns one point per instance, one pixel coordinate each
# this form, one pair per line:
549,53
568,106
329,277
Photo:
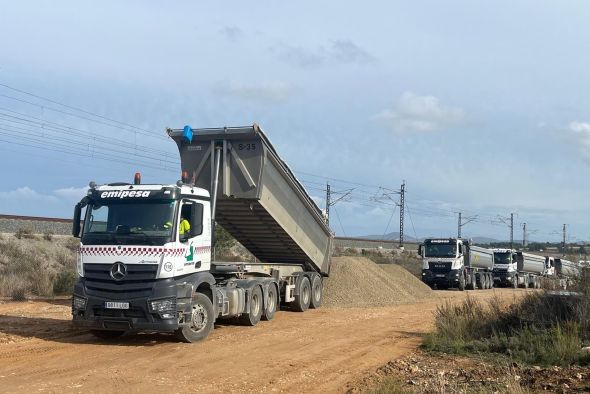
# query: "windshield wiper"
145,236
111,236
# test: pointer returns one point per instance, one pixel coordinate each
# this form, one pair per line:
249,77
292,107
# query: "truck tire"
255,308
472,285
303,297
107,334
490,281
481,281
271,303
515,282
317,292
201,322
461,285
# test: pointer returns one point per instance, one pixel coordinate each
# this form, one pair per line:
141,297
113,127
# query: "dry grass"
31,266
541,329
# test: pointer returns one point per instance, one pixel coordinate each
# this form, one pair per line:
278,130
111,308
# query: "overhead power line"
77,109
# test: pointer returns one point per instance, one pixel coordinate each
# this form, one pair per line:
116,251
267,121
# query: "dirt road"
316,351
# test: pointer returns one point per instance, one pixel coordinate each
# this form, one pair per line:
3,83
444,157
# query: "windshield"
502,258
129,223
440,250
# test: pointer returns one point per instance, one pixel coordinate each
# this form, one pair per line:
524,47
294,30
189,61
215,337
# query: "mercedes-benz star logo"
118,271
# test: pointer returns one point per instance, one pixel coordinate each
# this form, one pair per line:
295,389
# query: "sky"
480,107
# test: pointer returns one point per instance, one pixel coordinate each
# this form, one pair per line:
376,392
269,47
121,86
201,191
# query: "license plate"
440,275
116,305
496,278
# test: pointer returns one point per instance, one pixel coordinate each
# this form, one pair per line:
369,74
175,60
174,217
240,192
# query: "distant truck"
530,269
145,257
566,271
517,269
456,263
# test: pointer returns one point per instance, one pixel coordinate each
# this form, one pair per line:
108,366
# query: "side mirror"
420,250
76,224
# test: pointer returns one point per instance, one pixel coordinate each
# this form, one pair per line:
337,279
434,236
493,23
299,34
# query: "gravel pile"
359,282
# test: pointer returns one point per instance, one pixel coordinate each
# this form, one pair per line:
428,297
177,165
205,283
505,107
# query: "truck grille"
440,267
138,282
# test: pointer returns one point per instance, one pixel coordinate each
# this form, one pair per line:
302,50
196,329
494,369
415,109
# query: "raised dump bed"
259,200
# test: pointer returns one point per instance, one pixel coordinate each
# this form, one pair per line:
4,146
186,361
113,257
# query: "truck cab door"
196,238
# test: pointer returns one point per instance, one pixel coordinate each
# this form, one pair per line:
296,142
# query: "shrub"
541,329
48,235
41,279
15,287
64,282
390,385
24,232
72,244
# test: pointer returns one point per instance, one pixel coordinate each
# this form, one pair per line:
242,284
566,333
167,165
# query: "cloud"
346,51
337,52
299,56
27,201
71,193
414,113
26,195
232,33
579,134
270,91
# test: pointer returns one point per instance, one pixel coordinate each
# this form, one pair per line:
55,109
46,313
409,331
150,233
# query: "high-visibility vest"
184,227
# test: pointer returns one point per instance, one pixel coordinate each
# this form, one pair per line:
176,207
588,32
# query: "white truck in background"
140,270
455,263
517,269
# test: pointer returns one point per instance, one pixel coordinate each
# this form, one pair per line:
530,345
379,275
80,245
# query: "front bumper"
449,278
504,278
139,316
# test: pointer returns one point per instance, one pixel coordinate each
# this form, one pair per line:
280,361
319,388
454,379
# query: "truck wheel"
317,292
303,298
490,281
271,303
106,334
515,282
201,320
481,285
461,286
255,311
471,285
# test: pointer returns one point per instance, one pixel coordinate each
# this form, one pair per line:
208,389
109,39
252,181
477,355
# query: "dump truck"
455,262
565,268
530,269
145,258
505,268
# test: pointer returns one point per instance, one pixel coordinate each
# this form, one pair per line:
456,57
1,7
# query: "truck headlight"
166,307
78,303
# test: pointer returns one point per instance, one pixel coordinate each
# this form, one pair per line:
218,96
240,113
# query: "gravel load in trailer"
259,200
